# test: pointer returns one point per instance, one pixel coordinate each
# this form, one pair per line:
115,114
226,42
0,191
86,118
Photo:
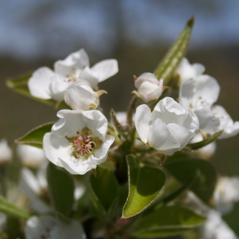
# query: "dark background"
135,32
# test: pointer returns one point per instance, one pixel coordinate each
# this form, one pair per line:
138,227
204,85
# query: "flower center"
72,77
84,143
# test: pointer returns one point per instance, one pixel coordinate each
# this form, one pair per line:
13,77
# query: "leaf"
104,186
35,136
12,210
184,168
61,189
145,184
20,85
205,142
167,221
175,54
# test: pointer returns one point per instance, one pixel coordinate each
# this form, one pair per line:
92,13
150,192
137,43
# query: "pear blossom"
149,87
35,187
81,96
50,227
229,127
5,151
168,128
200,94
46,83
226,193
78,140
31,156
186,71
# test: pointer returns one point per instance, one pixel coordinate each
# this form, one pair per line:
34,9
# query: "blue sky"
31,28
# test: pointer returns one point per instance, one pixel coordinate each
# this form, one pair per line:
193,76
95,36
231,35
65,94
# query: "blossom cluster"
171,125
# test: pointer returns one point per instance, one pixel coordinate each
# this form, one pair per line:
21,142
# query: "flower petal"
105,69
39,83
75,61
142,118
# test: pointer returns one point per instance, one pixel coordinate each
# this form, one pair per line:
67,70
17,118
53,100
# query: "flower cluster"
75,185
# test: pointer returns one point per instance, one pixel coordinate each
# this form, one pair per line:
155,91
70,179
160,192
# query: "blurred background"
135,32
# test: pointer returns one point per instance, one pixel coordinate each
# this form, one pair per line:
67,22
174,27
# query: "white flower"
31,156
49,227
81,96
78,140
199,94
47,84
186,71
5,152
229,127
226,193
34,187
168,128
199,91
216,228
149,87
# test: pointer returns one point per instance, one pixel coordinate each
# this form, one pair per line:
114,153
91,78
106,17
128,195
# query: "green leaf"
184,168
61,189
35,136
175,54
20,85
145,184
167,221
12,210
104,186
205,142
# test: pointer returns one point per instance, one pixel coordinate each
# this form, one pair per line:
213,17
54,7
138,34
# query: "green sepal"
183,167
205,142
35,136
168,65
12,210
61,189
167,221
144,185
104,187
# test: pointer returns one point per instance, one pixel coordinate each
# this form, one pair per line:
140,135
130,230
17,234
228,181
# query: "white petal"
160,138
39,82
75,61
58,87
105,69
149,91
88,75
56,149
5,151
170,111
187,70
229,127
81,96
142,118
147,76
31,156
208,123
69,123
96,122
201,90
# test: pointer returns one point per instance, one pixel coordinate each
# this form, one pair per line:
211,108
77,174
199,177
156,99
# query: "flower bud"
81,96
149,87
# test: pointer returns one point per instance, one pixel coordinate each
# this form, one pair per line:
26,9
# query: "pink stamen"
82,145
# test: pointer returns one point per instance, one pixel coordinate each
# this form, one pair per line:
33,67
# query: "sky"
32,28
